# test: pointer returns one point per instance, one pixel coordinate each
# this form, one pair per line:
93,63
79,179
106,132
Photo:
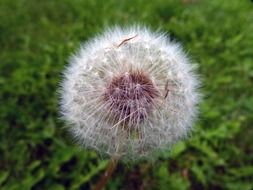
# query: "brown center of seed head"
130,97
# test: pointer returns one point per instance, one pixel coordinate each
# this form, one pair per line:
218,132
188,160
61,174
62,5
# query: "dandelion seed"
132,99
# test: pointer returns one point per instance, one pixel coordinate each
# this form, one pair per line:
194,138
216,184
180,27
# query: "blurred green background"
36,39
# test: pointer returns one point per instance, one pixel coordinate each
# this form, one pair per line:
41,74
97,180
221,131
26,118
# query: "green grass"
36,39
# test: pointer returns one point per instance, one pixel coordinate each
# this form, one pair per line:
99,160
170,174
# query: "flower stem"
108,173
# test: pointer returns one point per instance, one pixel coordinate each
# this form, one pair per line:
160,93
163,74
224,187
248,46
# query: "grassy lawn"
36,39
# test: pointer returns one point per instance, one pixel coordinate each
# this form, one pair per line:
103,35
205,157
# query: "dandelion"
129,93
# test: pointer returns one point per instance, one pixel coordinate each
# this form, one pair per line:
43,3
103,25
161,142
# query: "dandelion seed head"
130,92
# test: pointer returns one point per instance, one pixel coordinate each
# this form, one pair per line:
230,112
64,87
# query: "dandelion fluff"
129,92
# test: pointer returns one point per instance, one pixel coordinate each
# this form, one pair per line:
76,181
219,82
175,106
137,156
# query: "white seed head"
129,92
